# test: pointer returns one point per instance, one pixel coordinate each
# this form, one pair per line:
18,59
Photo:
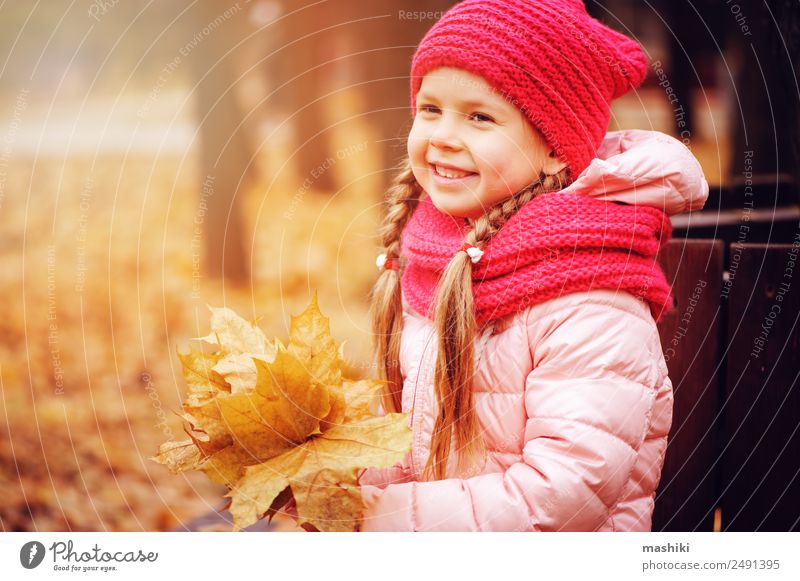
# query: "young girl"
515,313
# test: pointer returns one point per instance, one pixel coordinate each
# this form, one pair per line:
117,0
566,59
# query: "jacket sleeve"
588,402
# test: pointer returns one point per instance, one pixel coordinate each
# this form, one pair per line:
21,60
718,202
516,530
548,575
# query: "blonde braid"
386,304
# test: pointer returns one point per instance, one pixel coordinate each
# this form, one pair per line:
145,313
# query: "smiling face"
470,148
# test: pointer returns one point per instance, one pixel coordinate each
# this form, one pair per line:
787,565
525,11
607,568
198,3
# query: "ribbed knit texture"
551,60
556,244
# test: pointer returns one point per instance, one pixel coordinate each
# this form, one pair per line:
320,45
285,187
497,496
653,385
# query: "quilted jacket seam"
414,527
624,377
584,423
466,489
648,424
508,484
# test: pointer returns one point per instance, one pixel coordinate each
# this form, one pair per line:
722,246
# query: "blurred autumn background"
159,157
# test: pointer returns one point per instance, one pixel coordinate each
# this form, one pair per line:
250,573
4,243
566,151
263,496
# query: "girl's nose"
445,134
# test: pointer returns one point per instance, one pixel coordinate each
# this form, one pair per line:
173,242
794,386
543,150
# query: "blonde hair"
455,323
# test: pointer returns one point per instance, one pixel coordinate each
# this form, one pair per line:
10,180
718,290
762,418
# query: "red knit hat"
559,66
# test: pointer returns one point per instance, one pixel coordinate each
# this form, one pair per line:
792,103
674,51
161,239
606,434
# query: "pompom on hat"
559,66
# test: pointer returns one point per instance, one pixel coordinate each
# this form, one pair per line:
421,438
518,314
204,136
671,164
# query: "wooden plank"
686,497
761,460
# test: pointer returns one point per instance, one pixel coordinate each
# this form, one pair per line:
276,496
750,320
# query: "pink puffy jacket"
572,393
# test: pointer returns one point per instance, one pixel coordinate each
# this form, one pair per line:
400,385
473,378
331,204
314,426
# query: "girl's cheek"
410,147
416,144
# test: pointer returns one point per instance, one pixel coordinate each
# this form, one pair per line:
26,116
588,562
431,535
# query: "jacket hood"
645,168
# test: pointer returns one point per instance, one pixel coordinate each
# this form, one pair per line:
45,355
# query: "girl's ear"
553,164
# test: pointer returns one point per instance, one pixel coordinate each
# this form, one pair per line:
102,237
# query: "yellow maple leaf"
228,465
179,456
275,422
284,410
239,342
235,335
310,339
239,371
203,381
362,398
322,473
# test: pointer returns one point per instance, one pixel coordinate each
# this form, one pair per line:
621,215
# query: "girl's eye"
482,118
428,109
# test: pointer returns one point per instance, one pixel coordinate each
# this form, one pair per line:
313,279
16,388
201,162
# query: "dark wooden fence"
733,459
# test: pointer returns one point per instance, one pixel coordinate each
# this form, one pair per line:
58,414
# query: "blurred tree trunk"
226,148
388,44
371,45
302,81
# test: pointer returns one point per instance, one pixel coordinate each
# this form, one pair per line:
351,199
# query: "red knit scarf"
558,243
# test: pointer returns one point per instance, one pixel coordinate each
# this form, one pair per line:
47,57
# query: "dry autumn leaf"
275,422
322,473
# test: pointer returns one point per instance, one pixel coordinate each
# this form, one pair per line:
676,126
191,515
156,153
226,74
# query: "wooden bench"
733,458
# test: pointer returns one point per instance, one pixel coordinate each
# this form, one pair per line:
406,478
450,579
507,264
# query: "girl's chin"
455,210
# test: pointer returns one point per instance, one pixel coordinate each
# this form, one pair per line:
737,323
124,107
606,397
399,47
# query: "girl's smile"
449,175
470,148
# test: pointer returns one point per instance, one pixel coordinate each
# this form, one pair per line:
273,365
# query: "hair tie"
385,263
474,252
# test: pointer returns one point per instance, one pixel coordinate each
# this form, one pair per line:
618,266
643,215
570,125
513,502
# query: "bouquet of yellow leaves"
275,422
